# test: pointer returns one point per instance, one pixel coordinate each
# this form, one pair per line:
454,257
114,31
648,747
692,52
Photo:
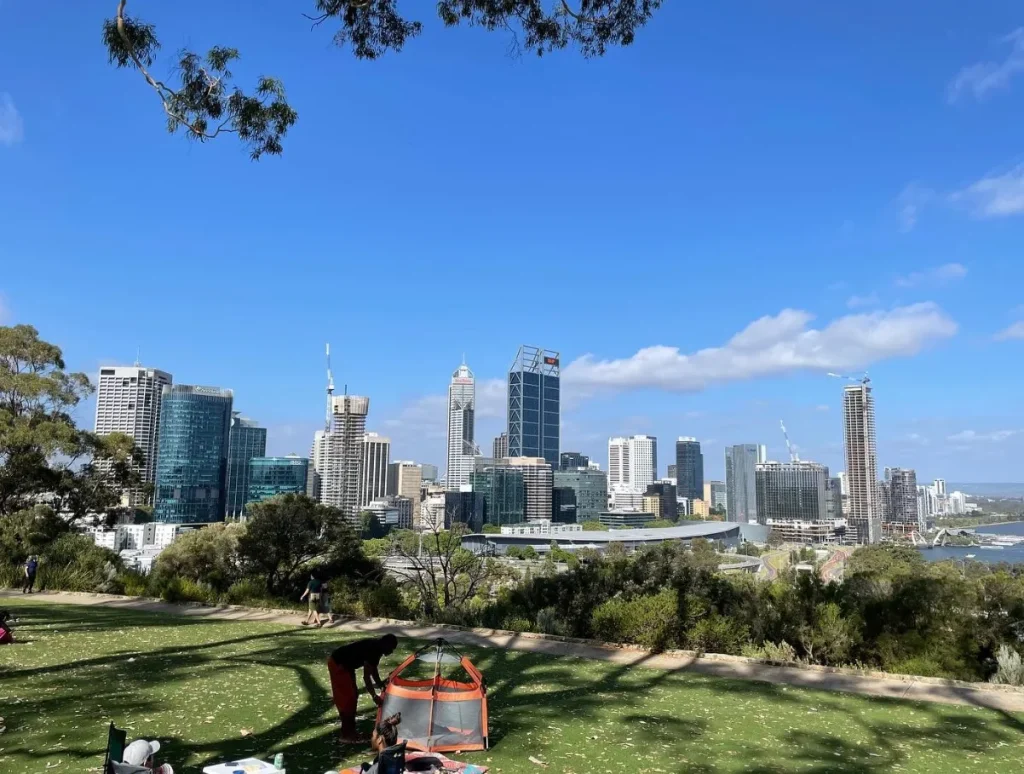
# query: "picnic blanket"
412,758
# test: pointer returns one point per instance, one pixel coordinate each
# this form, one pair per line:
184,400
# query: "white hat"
140,751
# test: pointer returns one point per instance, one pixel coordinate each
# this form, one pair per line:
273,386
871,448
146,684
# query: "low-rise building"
625,519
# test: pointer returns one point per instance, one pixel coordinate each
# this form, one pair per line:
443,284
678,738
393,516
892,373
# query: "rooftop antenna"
793,456
138,357
330,391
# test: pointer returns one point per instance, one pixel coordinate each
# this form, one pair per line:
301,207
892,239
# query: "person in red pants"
342,665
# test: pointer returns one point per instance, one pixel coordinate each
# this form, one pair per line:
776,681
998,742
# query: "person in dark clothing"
30,575
342,665
312,593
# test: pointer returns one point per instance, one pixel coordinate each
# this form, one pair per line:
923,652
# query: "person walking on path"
312,593
325,602
342,665
30,574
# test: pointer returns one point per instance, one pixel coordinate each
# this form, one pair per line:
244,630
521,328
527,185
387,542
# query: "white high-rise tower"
128,401
633,462
862,462
338,454
374,477
461,410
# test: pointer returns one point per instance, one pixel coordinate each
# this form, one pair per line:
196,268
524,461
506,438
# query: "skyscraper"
273,476
192,461
461,408
500,446
861,462
665,493
429,471
373,479
503,492
537,485
534,405
246,440
128,401
740,481
591,487
404,480
790,492
899,500
632,461
338,454
714,494
689,468
572,460
618,461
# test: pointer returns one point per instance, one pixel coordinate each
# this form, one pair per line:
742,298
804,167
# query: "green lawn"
195,685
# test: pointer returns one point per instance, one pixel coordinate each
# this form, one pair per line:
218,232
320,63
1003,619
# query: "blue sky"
850,174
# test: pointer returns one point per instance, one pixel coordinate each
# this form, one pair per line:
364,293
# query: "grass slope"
194,685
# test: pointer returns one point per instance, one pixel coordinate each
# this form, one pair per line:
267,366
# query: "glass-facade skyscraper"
273,476
534,400
192,464
591,487
740,482
689,469
247,440
504,494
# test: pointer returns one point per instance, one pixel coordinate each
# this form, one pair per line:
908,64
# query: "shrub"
187,590
549,622
1011,670
132,583
777,653
382,601
516,625
208,555
75,563
649,621
246,591
717,634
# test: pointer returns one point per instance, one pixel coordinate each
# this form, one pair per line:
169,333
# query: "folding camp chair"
116,742
391,760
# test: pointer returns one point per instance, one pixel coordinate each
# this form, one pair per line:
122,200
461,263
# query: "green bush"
247,591
187,590
75,563
517,625
717,634
649,621
11,576
778,653
381,601
133,583
208,556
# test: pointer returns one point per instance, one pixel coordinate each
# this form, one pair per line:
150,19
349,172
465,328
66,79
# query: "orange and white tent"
439,714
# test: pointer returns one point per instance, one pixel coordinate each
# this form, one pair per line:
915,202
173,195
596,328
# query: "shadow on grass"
533,698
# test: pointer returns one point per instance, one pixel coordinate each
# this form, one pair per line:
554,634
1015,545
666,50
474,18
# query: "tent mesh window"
442,698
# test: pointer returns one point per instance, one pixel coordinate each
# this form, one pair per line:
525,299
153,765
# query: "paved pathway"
944,692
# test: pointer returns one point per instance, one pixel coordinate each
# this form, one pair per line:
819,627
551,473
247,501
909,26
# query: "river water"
991,555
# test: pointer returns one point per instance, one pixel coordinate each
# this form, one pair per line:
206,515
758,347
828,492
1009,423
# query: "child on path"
312,593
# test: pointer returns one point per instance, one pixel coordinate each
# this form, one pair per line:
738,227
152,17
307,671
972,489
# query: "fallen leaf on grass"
246,732
537,762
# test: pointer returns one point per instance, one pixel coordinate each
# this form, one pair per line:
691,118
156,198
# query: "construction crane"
330,391
865,379
793,456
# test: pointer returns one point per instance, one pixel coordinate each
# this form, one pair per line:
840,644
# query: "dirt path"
887,686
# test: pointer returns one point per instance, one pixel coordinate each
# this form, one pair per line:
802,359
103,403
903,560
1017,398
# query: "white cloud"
911,201
970,436
769,346
995,196
1013,333
12,128
822,407
982,78
491,398
938,275
859,302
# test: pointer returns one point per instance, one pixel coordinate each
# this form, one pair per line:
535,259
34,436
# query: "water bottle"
279,761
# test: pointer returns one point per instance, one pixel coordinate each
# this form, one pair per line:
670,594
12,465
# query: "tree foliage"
204,103
44,457
208,555
288,536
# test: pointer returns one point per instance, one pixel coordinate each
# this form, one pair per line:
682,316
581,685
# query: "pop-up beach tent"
439,714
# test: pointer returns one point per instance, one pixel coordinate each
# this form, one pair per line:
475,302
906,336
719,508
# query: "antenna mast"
330,391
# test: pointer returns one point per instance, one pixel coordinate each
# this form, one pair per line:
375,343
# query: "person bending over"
342,665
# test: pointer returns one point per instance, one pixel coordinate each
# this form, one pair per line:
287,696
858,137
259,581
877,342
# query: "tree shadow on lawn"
529,694
49,618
